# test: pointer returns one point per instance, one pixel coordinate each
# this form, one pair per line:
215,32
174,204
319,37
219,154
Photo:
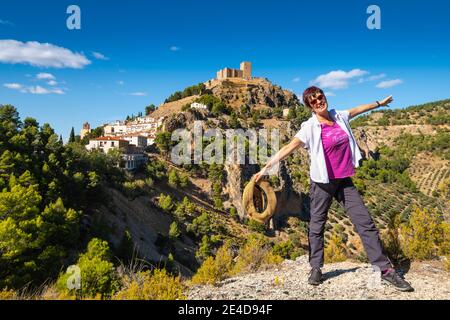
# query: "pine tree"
149,109
72,135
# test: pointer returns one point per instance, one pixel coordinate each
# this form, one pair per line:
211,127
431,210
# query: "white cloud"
376,77
99,56
389,83
33,89
372,78
45,76
41,90
296,79
14,86
120,82
329,94
40,55
6,22
58,91
38,90
338,79
174,48
138,94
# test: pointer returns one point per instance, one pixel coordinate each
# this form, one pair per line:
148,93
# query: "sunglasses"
314,99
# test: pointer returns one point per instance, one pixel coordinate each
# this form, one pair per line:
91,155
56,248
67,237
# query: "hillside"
257,94
171,108
179,217
418,185
434,113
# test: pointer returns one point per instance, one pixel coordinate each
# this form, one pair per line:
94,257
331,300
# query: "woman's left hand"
386,101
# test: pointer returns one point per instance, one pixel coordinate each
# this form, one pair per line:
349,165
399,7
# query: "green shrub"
334,250
256,226
287,250
234,213
98,277
156,285
201,225
425,236
173,178
254,255
183,209
165,202
174,231
215,269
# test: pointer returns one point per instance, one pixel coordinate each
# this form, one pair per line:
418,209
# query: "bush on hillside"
254,255
425,235
215,269
156,285
335,250
98,277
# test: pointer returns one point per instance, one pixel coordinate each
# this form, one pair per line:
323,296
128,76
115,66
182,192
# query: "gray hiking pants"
344,191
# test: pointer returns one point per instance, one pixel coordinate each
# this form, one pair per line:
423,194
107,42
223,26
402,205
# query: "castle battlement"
244,72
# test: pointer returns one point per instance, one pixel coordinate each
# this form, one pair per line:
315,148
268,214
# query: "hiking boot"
315,277
392,277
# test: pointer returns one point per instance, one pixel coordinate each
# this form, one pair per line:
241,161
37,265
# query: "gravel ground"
344,280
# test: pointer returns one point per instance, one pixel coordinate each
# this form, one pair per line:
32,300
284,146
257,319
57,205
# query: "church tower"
85,130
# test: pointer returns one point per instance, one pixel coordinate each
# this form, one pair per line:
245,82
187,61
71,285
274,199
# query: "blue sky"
129,54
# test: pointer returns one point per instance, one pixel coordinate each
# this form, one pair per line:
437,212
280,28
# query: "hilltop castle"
244,72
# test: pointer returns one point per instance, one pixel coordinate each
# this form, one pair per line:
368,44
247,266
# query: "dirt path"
345,280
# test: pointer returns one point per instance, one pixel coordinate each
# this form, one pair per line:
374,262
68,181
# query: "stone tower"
246,68
244,72
85,130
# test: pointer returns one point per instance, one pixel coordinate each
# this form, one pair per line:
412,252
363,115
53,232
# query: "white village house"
135,139
132,155
143,126
131,137
196,105
107,143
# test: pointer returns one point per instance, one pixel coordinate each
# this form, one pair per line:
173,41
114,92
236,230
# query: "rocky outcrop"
236,177
289,201
344,280
257,92
183,119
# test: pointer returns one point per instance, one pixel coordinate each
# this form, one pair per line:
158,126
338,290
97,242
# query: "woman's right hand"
261,173
280,155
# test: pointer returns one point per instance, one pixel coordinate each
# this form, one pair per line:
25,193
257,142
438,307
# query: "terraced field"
384,202
428,171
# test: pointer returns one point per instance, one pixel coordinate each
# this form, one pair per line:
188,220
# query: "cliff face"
256,94
236,176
